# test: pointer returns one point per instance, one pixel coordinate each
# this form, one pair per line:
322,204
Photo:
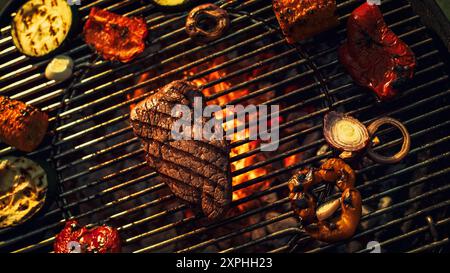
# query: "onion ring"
373,127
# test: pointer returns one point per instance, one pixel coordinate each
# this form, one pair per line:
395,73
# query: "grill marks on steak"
196,171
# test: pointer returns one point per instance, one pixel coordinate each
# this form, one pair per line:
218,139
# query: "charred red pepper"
76,239
114,36
374,56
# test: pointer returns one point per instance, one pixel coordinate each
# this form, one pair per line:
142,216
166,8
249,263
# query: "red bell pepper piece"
76,239
374,56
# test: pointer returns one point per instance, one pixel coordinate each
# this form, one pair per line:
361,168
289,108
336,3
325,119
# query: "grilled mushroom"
207,23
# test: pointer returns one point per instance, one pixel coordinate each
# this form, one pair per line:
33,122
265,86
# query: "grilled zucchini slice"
23,190
175,5
41,26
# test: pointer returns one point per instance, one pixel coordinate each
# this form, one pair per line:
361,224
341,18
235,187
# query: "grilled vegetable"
373,127
41,26
22,126
114,36
174,5
350,136
217,19
302,19
23,190
60,68
326,210
318,221
373,55
344,226
344,132
76,239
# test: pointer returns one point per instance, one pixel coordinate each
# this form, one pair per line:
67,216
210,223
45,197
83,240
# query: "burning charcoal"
353,246
280,225
367,224
385,202
269,198
211,249
299,126
258,233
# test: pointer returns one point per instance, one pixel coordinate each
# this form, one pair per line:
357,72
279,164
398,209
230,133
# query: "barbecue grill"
104,179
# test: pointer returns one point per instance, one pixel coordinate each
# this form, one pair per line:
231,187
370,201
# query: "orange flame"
138,92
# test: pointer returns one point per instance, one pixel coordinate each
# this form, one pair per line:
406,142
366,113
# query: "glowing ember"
138,92
293,159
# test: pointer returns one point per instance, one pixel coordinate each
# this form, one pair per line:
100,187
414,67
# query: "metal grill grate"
104,177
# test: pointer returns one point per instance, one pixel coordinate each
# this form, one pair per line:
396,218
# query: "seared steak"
196,171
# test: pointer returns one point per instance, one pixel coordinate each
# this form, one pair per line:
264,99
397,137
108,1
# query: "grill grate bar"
47,147
92,128
358,187
397,111
128,181
410,234
156,66
413,168
238,232
137,152
255,226
431,246
103,63
410,168
282,233
124,91
388,224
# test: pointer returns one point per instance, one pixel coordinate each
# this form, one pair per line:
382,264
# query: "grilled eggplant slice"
41,26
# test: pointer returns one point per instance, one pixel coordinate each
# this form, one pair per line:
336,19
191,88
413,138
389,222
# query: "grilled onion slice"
344,132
